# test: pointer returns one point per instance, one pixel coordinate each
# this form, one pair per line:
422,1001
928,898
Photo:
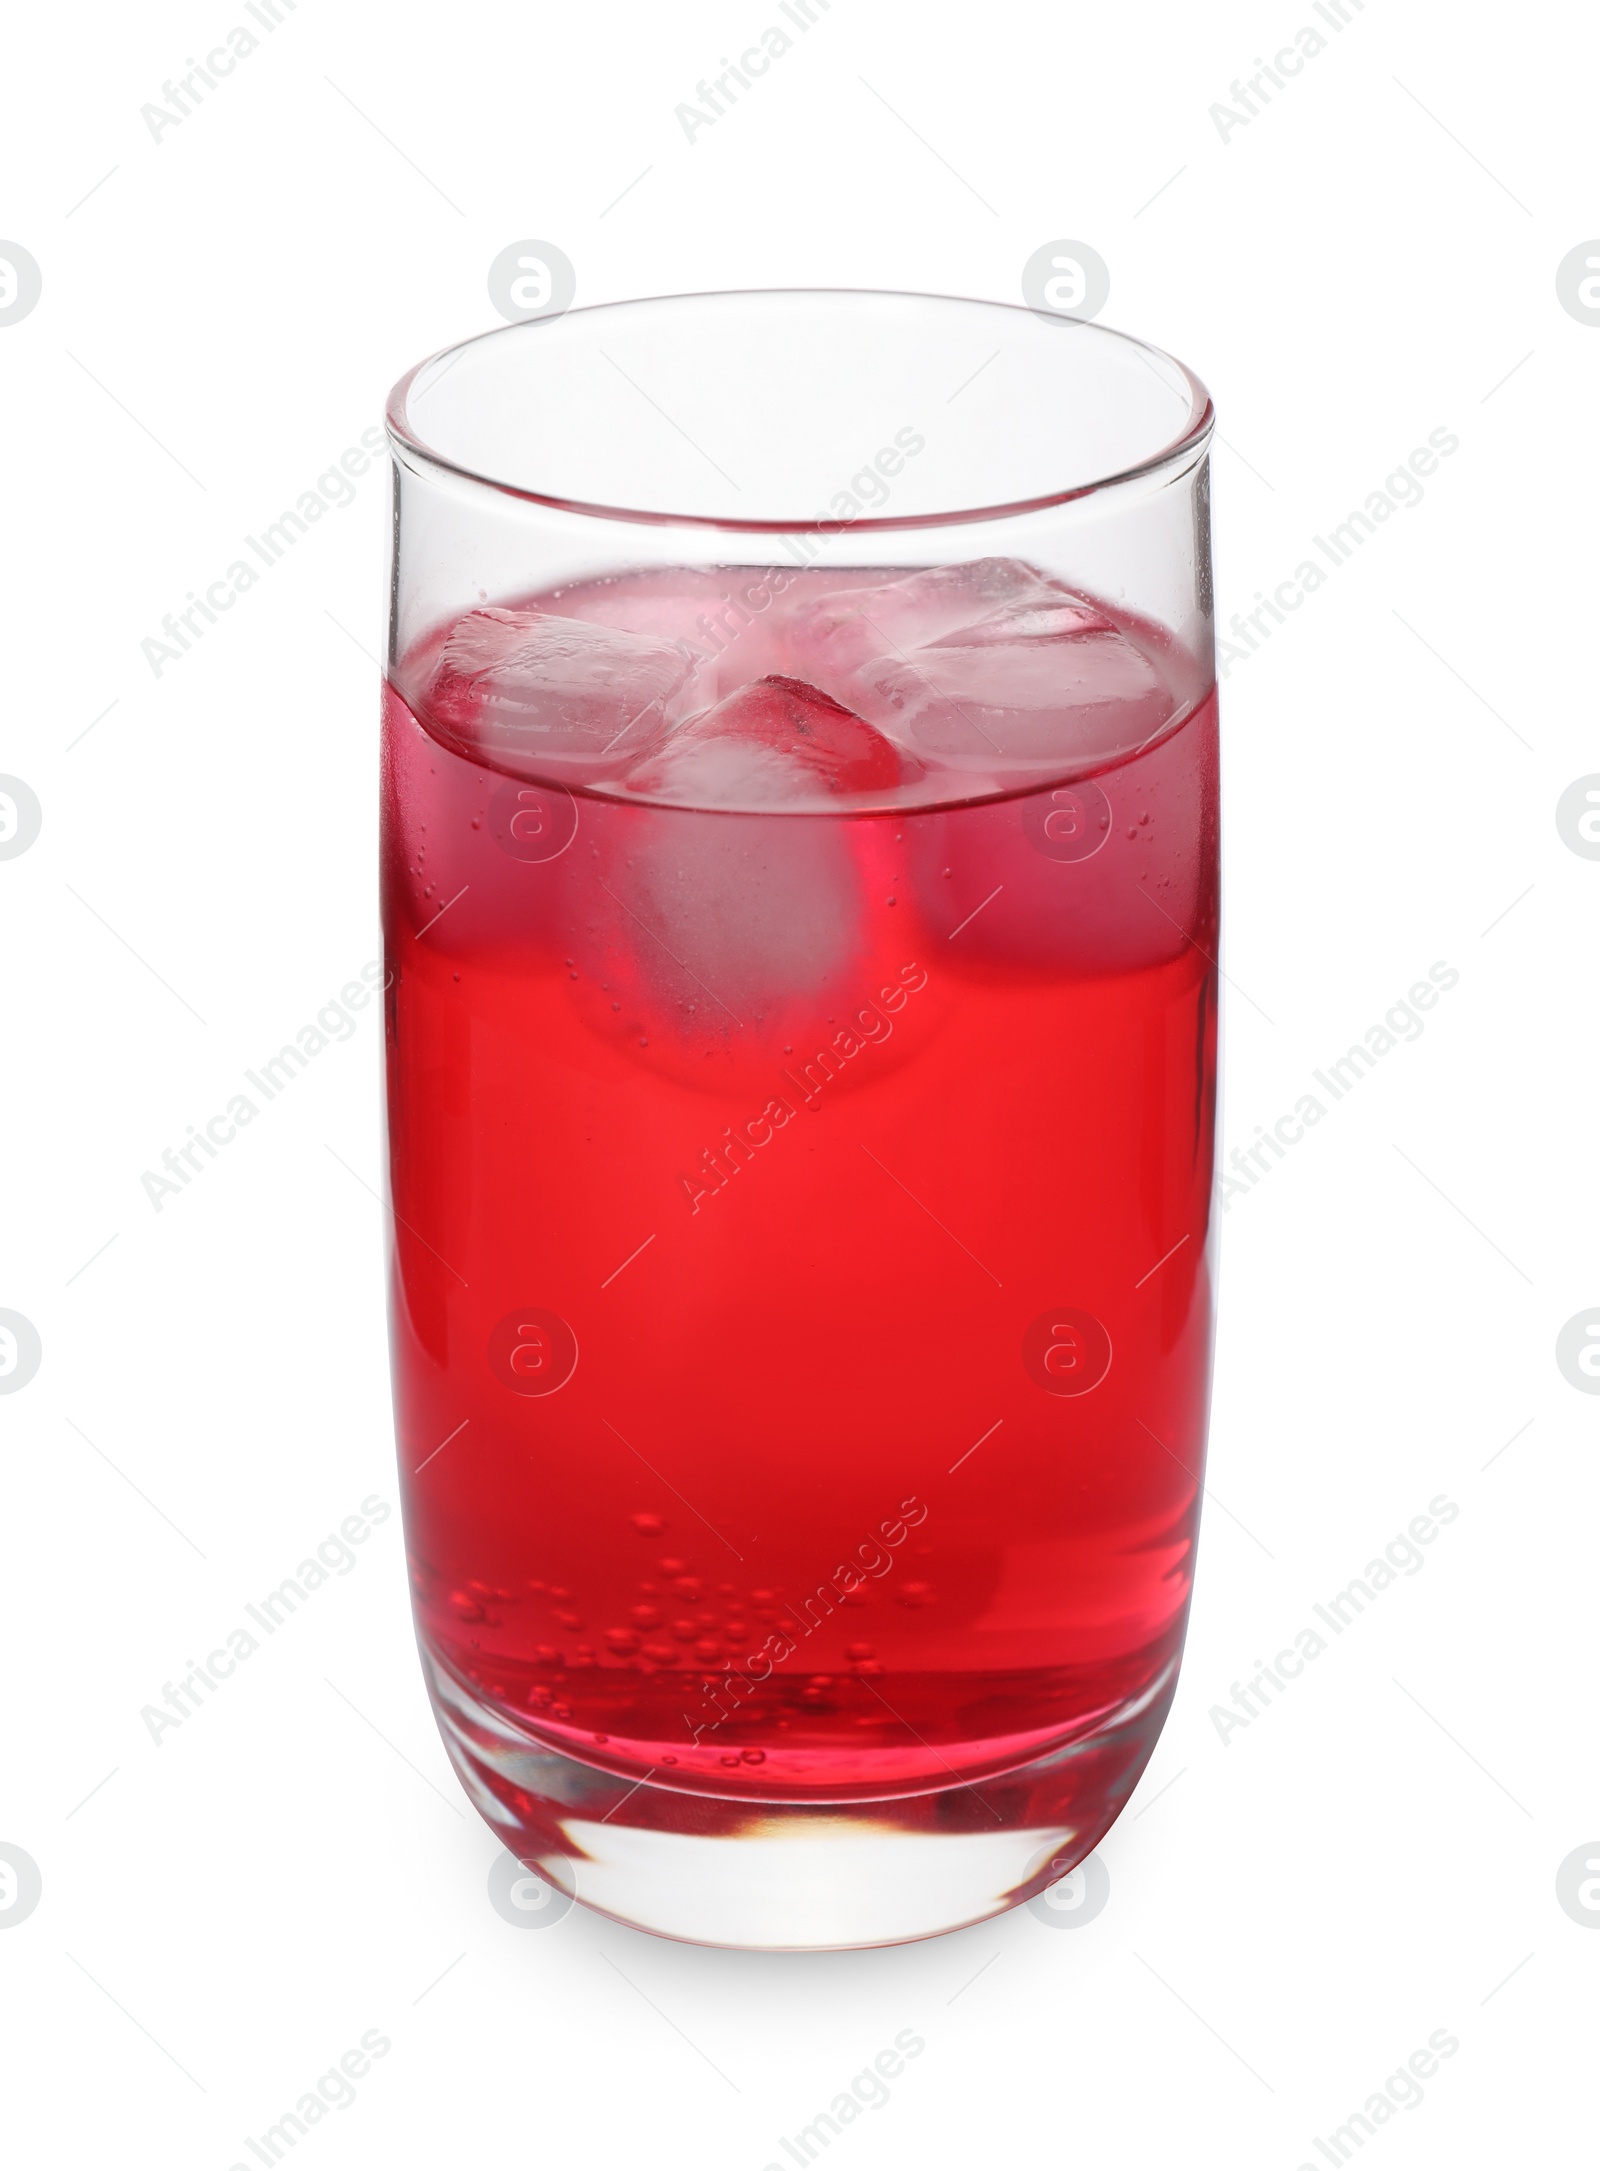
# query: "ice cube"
1049,880
989,665
733,617
774,742
1044,621
541,695
1030,690
848,627
724,933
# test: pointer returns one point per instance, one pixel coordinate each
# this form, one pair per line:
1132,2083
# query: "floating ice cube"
733,617
774,742
722,928
1059,619
540,694
1034,688
988,664
849,627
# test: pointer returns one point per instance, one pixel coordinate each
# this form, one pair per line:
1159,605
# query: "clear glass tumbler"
800,892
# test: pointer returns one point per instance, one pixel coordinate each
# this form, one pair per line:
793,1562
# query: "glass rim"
407,442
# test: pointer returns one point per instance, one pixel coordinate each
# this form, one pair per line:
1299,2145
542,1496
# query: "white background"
1292,1913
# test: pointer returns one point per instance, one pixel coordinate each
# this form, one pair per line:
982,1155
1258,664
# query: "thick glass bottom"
794,1876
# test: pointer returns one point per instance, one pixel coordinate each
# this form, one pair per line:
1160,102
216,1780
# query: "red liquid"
803,1202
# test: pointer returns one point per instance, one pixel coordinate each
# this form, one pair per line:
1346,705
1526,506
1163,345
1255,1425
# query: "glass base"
793,1876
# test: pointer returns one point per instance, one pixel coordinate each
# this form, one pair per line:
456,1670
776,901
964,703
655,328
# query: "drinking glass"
800,896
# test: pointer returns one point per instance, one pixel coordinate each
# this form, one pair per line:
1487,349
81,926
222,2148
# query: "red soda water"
801,1044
